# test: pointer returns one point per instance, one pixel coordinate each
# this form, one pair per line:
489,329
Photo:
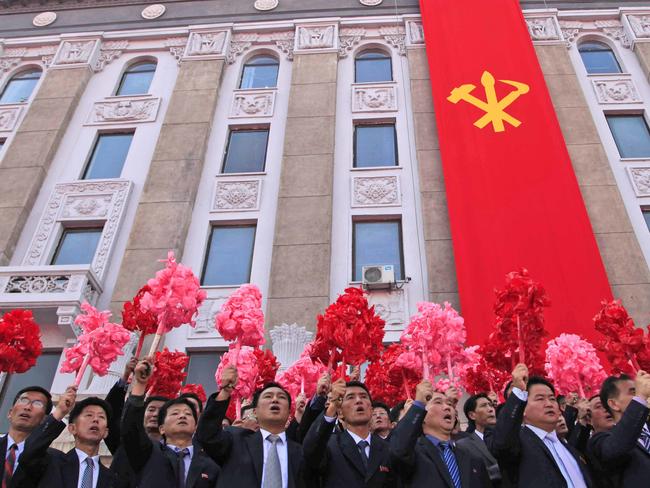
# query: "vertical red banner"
512,194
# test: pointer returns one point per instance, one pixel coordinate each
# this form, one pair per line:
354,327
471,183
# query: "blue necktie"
644,439
181,453
362,450
450,461
87,478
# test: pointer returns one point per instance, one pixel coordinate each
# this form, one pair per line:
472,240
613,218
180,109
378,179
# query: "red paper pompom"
20,341
385,380
198,390
168,373
135,319
267,367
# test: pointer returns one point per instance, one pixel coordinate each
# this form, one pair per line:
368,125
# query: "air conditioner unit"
378,277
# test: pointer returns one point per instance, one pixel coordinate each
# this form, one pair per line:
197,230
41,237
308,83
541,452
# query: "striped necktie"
450,461
87,477
10,463
272,466
644,439
181,453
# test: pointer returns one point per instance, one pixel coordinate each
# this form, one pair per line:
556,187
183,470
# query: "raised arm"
115,399
504,443
315,406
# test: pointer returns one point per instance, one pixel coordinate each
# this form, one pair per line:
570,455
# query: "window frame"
76,227
127,71
93,147
374,50
255,128
640,114
606,48
206,254
374,123
246,63
366,219
22,71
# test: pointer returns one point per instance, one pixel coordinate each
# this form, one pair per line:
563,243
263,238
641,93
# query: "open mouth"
94,429
359,410
24,416
448,417
275,408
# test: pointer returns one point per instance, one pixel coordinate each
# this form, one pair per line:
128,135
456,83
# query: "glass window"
377,243
230,255
77,246
598,58
631,135
375,145
42,374
20,87
108,156
246,152
260,72
372,66
201,369
646,216
137,79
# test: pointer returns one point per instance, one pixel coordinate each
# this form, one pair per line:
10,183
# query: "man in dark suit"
115,398
264,458
625,449
88,423
480,411
30,407
175,462
380,423
352,457
422,451
533,456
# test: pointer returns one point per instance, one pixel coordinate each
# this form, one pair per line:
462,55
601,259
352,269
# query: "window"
108,156
42,374
646,216
137,79
260,72
230,255
201,369
246,151
631,135
377,243
598,58
77,246
372,66
375,145
20,87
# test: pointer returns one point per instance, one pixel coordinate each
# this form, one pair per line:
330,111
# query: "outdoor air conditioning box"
378,277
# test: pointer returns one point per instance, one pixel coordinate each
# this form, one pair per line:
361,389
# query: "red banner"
512,195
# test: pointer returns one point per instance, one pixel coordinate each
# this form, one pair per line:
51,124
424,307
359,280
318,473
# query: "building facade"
279,142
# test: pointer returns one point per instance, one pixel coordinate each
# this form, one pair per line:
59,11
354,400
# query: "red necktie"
10,462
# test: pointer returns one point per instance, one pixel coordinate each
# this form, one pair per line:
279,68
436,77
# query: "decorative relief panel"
616,90
109,51
415,33
374,98
201,44
176,46
205,328
43,19
288,343
124,110
72,53
373,191
543,28
640,25
82,201
236,195
13,56
243,41
613,29
9,115
253,103
264,5
310,37
640,181
390,306
396,37
370,3
348,38
153,11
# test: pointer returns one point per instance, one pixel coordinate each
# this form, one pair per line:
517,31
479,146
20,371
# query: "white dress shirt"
283,455
479,434
19,450
358,439
187,460
82,467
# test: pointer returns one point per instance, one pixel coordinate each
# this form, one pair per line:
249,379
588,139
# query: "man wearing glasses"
30,407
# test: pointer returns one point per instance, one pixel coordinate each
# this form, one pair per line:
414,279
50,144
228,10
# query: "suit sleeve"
579,437
315,407
504,441
216,441
403,439
570,415
314,446
115,399
136,442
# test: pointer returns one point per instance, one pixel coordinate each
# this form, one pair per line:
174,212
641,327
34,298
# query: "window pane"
246,151
42,374
202,367
20,87
230,255
378,243
369,67
77,246
108,156
137,79
631,135
374,145
598,58
646,216
260,72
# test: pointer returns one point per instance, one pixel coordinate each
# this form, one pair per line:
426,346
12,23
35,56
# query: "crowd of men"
339,438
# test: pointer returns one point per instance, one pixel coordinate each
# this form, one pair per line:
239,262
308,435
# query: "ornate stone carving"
370,3
206,43
396,37
108,52
616,91
242,42
285,44
415,33
236,195
348,38
288,343
390,306
374,191
205,328
315,37
176,47
239,44
74,52
130,110
613,29
543,29
153,11
67,203
264,5
640,181
7,64
37,284
640,25
43,19
9,115
253,103
374,98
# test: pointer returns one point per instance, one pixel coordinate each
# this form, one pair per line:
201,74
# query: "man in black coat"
88,423
625,449
422,451
352,457
176,462
532,456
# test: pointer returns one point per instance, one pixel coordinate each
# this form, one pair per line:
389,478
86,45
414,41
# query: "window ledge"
377,168
239,175
635,160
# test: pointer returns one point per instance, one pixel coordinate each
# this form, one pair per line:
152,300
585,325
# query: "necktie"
10,462
180,471
272,469
87,478
644,439
362,449
450,461
566,463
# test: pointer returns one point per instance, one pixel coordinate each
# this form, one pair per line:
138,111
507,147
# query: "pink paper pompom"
409,361
241,318
304,372
247,371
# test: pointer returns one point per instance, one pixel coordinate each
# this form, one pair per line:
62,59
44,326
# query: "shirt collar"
436,442
542,434
82,457
358,439
11,442
281,435
480,435
176,448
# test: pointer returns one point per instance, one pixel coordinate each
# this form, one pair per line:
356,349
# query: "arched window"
137,79
598,58
20,87
372,66
260,72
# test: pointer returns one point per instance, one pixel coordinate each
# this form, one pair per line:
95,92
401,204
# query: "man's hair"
162,413
90,401
245,408
194,396
395,411
382,406
609,389
538,380
561,397
271,384
155,398
505,390
358,384
470,404
42,391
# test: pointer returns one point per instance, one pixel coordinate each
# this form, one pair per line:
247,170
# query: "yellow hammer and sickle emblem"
494,109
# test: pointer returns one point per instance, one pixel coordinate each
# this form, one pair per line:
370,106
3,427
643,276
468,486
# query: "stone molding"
253,103
9,115
374,98
124,110
236,195
639,25
414,34
207,44
108,51
240,42
11,57
313,38
640,178
618,89
75,53
544,28
376,191
288,343
612,28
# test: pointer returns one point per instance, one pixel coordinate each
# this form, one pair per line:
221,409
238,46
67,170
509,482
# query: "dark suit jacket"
478,446
523,457
337,460
115,398
240,452
618,450
154,464
49,468
420,464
